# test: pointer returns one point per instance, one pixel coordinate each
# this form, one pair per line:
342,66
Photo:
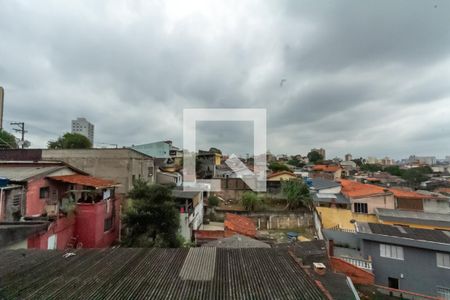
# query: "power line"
21,129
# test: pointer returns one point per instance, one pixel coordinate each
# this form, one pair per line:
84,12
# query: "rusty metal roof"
195,273
85,180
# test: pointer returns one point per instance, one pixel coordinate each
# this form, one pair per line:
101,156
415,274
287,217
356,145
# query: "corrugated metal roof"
85,180
330,198
320,183
237,241
23,173
126,273
409,215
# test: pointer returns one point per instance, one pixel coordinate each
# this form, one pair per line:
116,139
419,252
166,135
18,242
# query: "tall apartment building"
84,127
321,151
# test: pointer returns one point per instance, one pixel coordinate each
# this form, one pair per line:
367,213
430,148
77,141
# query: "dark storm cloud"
368,78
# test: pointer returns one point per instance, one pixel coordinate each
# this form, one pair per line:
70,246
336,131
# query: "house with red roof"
364,198
71,207
330,172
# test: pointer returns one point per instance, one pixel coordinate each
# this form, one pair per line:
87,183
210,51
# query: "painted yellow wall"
342,217
218,158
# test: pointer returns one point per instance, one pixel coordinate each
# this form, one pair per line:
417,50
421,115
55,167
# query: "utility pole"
21,129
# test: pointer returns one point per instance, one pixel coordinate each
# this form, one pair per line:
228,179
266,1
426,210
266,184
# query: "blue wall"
419,269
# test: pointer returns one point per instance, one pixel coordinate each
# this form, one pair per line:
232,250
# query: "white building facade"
83,127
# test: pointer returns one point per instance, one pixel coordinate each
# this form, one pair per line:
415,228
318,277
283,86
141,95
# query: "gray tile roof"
320,183
429,235
154,274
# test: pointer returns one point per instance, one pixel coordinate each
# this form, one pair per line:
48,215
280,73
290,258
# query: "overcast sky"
369,78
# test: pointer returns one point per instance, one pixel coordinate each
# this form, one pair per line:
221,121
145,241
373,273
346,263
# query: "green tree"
7,140
296,193
70,141
315,157
415,176
276,167
394,170
152,219
250,201
371,167
213,201
295,162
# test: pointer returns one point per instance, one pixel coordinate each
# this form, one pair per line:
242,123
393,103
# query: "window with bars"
44,192
391,251
360,208
443,260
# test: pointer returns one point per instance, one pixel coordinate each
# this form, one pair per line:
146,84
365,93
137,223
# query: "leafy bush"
213,201
250,201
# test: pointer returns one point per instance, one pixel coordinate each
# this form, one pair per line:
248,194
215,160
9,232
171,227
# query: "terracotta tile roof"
408,194
239,224
443,190
326,168
85,180
280,173
355,189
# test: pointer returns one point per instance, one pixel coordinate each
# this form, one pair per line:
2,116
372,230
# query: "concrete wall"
90,223
274,220
63,228
442,207
375,202
342,238
121,165
419,269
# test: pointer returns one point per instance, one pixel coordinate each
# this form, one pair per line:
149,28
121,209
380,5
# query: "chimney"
320,268
330,248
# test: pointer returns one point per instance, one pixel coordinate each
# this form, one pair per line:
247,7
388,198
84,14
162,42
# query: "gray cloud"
366,78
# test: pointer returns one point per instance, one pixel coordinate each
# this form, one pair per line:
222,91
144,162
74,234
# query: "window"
361,208
150,171
391,251
108,224
443,260
44,192
16,200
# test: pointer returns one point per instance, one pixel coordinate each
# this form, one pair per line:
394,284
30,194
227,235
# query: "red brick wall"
358,276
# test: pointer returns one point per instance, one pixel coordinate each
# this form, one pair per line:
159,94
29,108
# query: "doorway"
393,283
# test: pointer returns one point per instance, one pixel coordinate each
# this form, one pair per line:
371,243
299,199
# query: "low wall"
342,237
273,219
358,276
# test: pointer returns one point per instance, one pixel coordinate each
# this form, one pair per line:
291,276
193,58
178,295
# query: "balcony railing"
338,228
360,263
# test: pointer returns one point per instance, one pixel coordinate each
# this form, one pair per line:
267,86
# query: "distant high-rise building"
321,151
84,127
2,92
348,157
